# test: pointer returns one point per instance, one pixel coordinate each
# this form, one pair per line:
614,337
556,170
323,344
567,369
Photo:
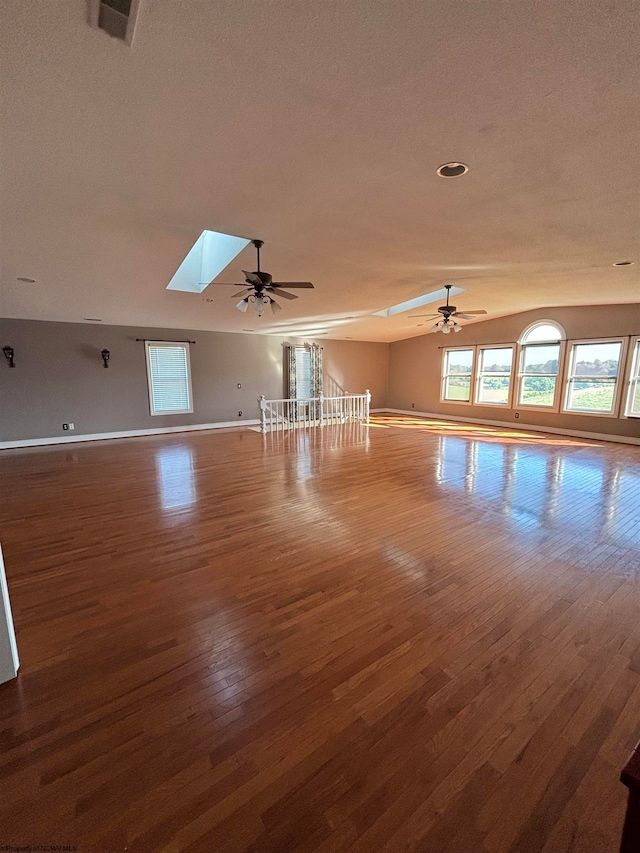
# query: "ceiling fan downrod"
258,244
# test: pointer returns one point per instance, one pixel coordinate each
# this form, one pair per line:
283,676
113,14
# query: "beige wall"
415,365
59,377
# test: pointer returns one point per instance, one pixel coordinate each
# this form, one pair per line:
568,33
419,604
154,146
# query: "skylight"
418,302
210,254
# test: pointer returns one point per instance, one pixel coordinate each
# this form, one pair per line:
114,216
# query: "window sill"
589,414
552,410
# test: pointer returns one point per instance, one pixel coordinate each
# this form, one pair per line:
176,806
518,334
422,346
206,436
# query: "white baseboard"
132,433
598,436
98,436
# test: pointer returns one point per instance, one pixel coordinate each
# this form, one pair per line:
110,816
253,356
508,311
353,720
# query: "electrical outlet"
239,385
413,405
516,415
72,426
65,426
239,414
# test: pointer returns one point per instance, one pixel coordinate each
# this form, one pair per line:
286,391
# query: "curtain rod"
539,343
164,341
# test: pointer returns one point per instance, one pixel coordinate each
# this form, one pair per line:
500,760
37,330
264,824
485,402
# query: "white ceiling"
318,127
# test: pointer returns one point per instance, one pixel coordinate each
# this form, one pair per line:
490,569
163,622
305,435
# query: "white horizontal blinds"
303,373
169,384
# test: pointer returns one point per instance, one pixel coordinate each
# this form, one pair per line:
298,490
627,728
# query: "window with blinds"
303,373
169,375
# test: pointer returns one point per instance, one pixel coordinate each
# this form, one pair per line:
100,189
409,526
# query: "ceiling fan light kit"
446,326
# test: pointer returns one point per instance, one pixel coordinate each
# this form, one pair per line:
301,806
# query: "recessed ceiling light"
348,338
616,264
93,320
207,299
248,330
452,170
26,280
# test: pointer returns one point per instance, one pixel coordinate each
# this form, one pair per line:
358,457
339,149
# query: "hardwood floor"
414,636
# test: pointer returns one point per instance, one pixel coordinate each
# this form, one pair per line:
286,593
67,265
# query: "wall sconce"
105,357
8,354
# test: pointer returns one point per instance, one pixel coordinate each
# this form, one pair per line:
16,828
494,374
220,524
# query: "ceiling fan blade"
480,311
282,293
291,284
227,283
243,292
252,277
422,316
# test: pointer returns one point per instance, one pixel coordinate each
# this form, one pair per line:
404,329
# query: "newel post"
322,408
368,403
262,402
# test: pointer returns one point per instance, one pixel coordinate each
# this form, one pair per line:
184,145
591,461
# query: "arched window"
542,332
540,357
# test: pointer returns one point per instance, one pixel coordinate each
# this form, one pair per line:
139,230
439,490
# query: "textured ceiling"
318,127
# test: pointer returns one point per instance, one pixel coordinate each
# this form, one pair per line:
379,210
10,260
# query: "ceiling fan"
260,285
446,314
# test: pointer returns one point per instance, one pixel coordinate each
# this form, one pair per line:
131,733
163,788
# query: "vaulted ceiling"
318,128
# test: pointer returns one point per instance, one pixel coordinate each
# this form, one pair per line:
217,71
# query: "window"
303,373
540,355
169,375
592,380
494,376
303,370
456,379
633,394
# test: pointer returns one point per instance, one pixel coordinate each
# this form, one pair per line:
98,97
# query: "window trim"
633,353
472,375
478,375
522,345
618,383
165,344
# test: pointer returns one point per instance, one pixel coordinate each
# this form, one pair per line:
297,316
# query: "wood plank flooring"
413,636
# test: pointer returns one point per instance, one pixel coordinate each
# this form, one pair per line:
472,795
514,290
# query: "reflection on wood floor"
401,637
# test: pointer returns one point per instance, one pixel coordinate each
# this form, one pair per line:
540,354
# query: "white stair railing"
291,413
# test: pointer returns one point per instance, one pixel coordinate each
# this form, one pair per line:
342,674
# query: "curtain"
316,370
290,367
